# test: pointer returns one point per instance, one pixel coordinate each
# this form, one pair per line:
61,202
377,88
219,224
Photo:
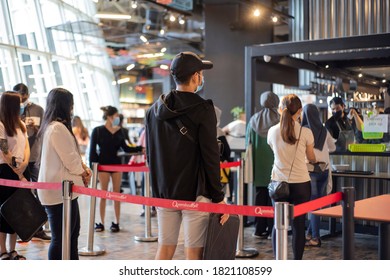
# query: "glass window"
5,30
8,73
25,24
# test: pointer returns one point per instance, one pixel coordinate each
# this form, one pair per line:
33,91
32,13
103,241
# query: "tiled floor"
122,245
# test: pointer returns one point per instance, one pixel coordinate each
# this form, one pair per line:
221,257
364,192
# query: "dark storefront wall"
225,47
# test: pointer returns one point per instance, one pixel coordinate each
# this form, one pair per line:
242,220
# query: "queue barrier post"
240,251
66,218
282,218
348,225
148,224
91,249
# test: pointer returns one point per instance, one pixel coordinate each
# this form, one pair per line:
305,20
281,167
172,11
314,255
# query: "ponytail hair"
290,105
108,111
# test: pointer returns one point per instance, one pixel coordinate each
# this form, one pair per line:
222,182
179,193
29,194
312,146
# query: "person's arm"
23,165
311,157
93,156
65,146
330,141
358,120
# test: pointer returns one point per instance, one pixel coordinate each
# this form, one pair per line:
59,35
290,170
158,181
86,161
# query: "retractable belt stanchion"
282,218
242,252
66,218
148,225
348,226
92,250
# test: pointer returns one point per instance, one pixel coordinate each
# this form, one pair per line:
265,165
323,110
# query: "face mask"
22,106
25,103
337,115
115,122
200,87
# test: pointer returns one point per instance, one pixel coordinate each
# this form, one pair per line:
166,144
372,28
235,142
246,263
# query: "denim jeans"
319,182
54,213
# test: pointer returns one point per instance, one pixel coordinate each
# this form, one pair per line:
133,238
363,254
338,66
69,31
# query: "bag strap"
296,148
183,130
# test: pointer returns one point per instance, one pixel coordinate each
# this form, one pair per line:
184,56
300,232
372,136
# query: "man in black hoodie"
183,156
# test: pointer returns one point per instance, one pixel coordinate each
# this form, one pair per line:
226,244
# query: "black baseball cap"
187,63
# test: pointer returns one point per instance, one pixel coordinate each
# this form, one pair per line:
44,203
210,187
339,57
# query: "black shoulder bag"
280,190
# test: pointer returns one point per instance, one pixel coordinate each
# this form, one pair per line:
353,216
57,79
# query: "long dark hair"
9,112
290,105
59,104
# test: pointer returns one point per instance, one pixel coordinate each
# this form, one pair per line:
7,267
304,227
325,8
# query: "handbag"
24,213
280,190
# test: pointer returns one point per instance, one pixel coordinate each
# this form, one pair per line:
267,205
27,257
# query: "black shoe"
41,235
114,227
99,227
263,235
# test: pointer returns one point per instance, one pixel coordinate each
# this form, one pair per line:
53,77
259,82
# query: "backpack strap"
183,130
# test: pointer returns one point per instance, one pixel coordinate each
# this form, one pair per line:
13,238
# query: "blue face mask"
200,87
21,109
116,121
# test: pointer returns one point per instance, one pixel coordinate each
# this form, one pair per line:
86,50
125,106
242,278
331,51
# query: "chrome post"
66,218
282,217
92,250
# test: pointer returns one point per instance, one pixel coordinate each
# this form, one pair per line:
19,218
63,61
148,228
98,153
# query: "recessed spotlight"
327,66
384,81
274,19
256,13
360,75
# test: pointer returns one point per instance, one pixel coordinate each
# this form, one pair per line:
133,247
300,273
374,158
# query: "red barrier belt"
143,168
317,203
260,211
123,168
30,185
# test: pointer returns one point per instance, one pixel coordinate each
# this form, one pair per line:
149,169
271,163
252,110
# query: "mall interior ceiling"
136,29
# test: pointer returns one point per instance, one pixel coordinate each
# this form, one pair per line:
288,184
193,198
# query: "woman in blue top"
106,141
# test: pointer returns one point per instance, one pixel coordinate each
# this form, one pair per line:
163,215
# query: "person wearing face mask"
183,157
345,128
106,141
32,114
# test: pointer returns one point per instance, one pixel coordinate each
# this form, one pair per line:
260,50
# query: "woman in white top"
291,144
60,160
14,156
319,173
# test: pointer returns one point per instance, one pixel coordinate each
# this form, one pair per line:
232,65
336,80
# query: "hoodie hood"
175,104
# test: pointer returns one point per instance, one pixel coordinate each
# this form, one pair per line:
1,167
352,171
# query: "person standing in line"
14,157
183,157
81,134
60,160
31,115
106,141
291,145
262,156
319,173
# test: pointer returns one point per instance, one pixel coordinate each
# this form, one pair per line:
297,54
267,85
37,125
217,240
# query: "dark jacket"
180,168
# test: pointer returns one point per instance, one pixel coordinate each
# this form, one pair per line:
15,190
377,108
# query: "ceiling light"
162,31
163,50
143,38
124,80
274,19
134,4
130,66
360,75
256,13
113,16
384,81
172,18
182,20
327,66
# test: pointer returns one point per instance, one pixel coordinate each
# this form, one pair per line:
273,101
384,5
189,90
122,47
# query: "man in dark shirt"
344,128
183,156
